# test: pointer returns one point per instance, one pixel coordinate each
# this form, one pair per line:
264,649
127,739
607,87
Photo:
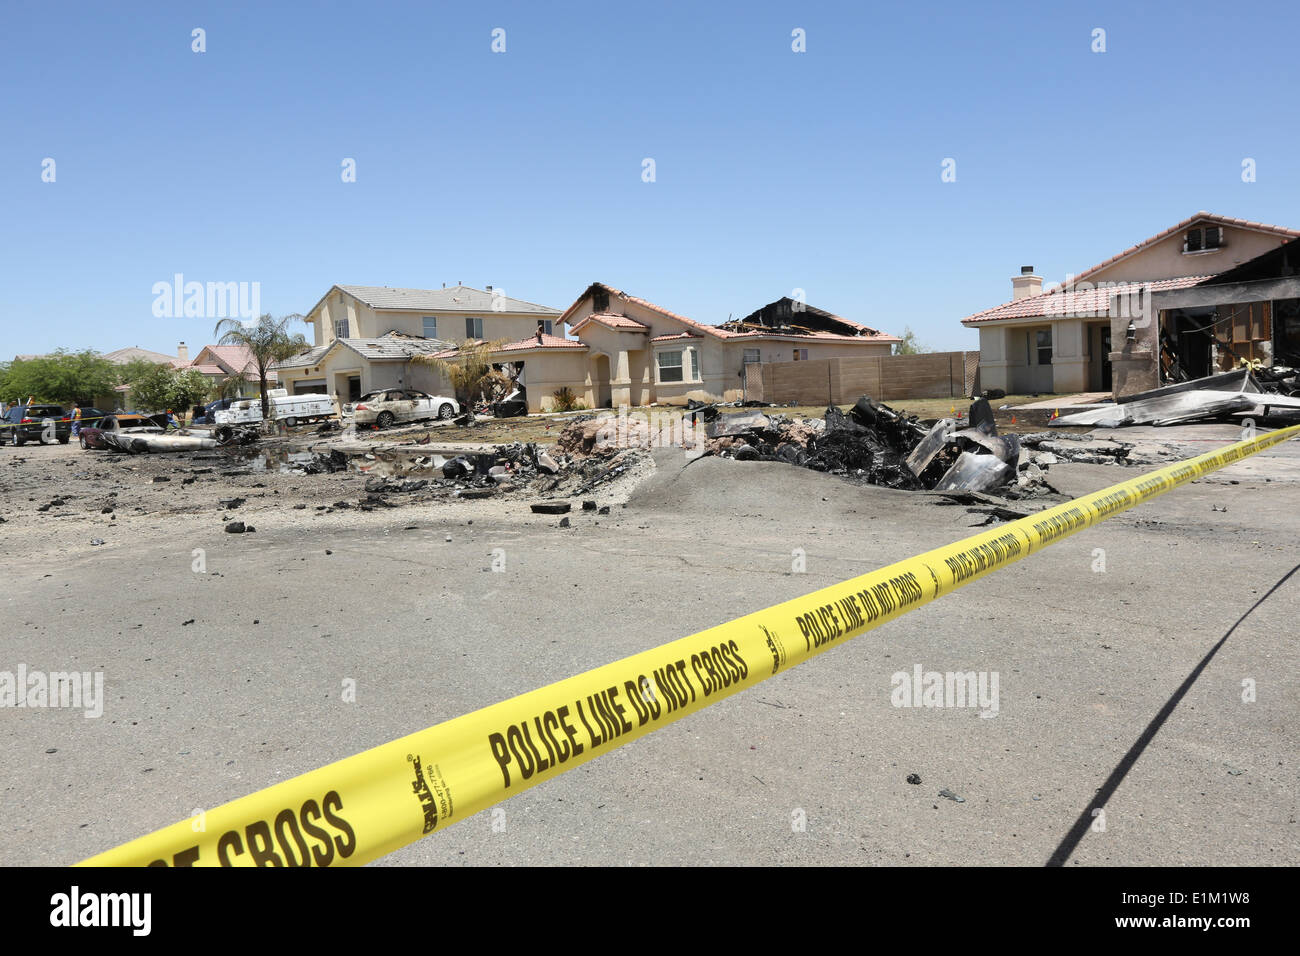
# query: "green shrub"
564,399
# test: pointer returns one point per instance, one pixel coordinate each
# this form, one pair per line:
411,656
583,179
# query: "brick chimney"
183,353
1026,284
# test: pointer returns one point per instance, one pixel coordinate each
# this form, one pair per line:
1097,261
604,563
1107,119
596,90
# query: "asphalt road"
250,693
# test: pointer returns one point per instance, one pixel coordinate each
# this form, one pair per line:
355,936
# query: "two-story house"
366,337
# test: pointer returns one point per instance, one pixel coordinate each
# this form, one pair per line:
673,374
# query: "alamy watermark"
953,689
83,690
207,300
1125,300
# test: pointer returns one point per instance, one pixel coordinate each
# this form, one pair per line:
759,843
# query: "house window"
670,366
695,365
753,356
341,328
1043,345
430,326
473,328
548,327
1201,240
801,355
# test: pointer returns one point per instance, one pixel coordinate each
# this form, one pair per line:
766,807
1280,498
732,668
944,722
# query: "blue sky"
774,170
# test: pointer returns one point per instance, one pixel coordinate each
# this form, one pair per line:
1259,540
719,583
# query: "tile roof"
207,369
1178,227
459,298
306,359
394,347
1060,303
679,335
615,321
527,345
547,342
131,353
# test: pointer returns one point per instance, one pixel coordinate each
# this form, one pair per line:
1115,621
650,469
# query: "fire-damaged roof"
787,316
1276,263
810,322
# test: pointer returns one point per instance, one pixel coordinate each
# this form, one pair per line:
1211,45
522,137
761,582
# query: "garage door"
310,388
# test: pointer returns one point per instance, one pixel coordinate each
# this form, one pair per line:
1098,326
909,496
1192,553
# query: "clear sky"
774,170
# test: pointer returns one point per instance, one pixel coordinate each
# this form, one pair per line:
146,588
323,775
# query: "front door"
1105,359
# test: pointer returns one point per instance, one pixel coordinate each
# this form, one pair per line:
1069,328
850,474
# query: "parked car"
206,416
24,423
90,437
391,405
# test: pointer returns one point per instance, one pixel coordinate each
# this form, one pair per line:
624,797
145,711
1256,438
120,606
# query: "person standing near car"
76,421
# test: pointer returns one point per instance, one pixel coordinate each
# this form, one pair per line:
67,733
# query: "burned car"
389,406
93,437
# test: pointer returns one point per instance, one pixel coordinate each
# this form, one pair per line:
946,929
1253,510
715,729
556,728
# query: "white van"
290,409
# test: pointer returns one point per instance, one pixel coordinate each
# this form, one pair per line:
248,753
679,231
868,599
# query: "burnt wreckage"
876,444
788,316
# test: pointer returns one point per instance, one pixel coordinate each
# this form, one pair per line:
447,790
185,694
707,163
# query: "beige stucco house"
1103,329
366,337
632,352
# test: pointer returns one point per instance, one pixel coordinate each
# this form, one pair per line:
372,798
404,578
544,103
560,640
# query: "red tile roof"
547,342
679,335
615,321
1060,303
1178,227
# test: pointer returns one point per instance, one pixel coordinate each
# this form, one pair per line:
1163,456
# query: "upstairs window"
341,329
548,327
1204,239
473,328
801,355
430,327
753,356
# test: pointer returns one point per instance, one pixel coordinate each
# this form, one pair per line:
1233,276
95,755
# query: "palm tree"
269,342
229,386
469,371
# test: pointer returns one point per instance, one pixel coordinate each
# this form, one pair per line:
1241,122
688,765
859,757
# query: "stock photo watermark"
41,690
179,299
947,690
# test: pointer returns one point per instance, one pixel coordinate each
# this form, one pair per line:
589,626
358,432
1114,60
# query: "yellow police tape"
370,804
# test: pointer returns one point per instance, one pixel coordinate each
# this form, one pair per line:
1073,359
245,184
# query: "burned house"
1137,321
639,352
1249,314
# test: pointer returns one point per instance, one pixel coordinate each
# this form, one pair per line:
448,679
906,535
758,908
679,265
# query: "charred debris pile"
878,445
519,466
